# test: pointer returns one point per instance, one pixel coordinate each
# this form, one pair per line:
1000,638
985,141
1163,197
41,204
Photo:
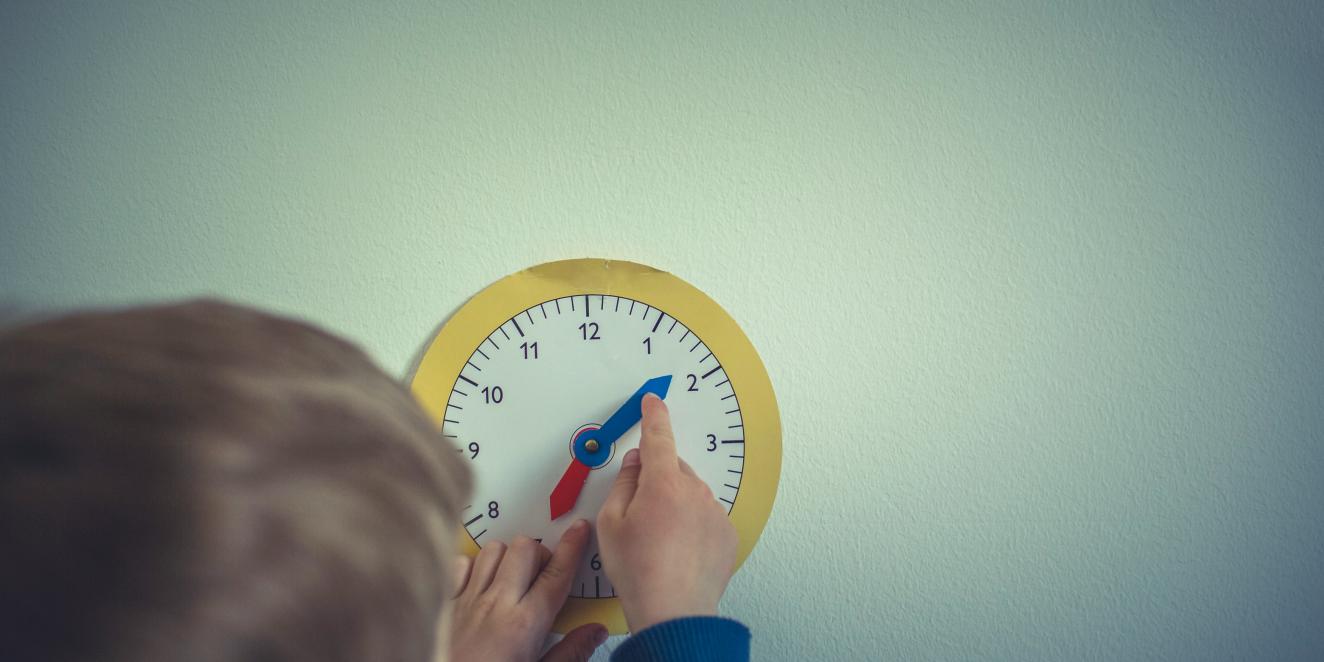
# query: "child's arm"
670,551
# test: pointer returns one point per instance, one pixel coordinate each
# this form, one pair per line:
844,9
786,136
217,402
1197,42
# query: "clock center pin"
589,451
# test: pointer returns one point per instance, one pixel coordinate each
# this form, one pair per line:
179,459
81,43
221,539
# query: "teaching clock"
536,382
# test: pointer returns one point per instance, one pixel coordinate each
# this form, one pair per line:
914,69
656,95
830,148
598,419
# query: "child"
207,482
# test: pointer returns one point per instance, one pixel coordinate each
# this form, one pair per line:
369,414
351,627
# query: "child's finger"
485,566
577,645
518,568
627,481
657,444
687,469
460,574
553,583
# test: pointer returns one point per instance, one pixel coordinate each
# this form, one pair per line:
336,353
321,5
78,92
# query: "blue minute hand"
593,448
625,417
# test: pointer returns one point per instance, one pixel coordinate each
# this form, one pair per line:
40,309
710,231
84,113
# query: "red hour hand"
567,489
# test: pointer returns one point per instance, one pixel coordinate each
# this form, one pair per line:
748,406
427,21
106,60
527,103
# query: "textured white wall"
1040,287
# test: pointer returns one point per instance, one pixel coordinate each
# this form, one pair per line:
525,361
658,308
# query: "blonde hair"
208,482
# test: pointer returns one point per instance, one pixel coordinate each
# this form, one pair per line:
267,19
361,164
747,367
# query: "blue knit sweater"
687,639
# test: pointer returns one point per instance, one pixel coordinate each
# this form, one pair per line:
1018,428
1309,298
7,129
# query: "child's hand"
505,604
667,546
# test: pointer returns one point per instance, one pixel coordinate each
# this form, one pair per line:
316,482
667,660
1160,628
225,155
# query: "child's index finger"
657,443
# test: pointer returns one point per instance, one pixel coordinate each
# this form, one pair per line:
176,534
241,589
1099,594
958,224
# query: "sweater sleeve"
687,639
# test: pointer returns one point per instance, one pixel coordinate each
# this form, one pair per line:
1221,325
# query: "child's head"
207,482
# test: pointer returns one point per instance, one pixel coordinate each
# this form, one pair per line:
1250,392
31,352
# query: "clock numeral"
493,394
589,331
712,443
648,345
694,383
530,350
473,449
493,509
595,563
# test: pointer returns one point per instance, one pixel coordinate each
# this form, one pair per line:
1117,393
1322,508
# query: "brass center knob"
591,445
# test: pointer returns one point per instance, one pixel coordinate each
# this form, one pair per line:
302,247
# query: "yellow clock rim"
478,318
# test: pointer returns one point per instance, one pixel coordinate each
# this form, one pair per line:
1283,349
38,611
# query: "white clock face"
564,364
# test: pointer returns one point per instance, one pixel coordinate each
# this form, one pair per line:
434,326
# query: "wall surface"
1040,285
